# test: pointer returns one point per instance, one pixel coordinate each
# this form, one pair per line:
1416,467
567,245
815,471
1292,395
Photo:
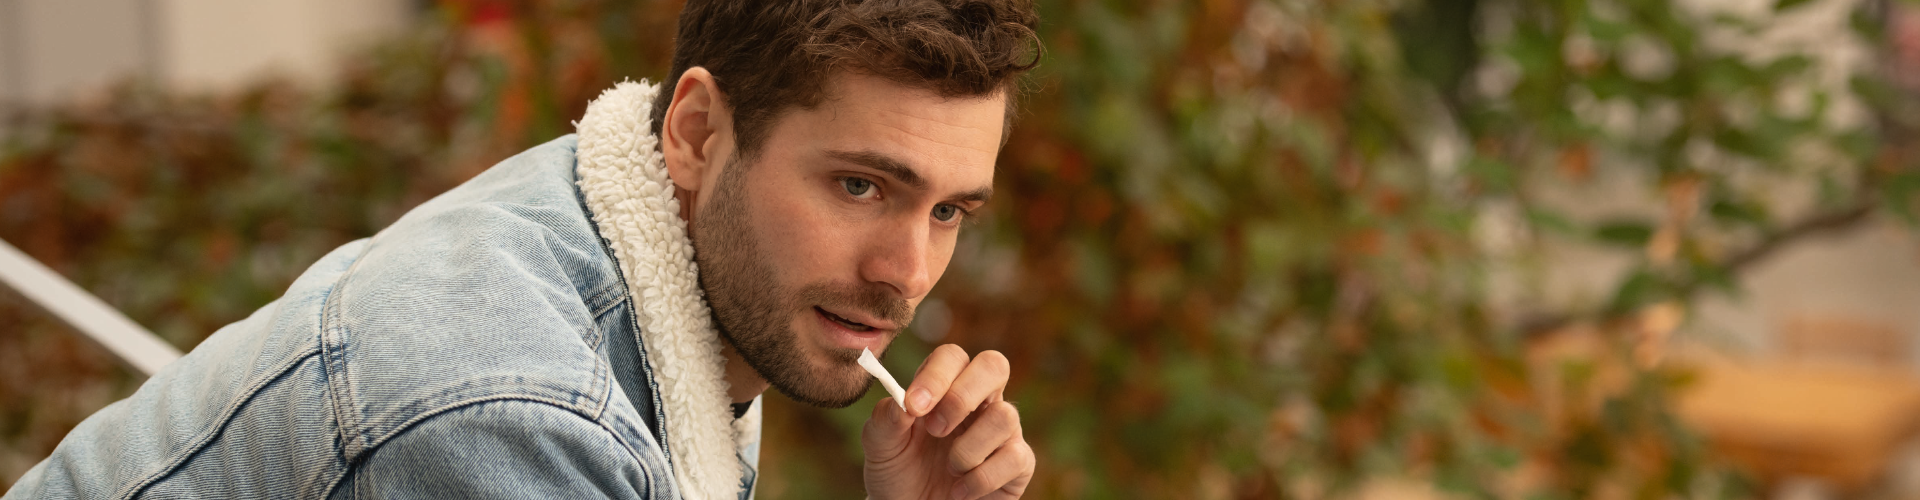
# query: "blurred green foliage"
1244,248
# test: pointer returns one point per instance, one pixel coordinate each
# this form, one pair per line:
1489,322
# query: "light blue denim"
483,346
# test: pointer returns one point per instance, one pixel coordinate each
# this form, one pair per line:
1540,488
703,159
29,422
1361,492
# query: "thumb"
887,432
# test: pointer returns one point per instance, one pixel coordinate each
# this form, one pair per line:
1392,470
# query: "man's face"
825,242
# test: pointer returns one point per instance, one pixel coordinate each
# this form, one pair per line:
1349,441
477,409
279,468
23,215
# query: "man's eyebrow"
900,171
896,168
979,195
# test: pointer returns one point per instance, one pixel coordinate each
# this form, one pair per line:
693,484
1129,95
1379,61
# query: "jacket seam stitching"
632,453
659,404
595,301
348,427
427,415
601,393
200,442
659,429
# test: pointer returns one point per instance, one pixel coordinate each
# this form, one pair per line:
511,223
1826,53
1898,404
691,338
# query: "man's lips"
856,321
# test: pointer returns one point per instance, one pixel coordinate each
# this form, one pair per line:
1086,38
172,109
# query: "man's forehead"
911,126
961,120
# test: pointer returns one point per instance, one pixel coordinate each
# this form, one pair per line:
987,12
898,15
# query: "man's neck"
743,383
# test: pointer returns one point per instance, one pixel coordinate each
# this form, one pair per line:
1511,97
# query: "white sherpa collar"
625,183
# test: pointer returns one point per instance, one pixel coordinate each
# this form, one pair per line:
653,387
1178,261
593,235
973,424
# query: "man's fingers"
982,381
991,429
1004,474
935,374
887,432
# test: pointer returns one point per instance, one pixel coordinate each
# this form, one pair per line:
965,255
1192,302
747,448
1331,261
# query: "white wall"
44,52
52,50
1871,273
219,44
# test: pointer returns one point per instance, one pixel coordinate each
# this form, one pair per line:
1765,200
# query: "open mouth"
850,324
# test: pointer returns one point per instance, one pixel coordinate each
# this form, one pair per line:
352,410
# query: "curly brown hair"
769,56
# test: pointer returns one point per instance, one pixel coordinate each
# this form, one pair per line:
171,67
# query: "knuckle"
944,363
1023,454
950,352
989,425
1003,415
958,396
957,463
995,362
980,482
963,459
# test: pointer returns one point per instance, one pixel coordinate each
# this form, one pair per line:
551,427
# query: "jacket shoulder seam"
333,363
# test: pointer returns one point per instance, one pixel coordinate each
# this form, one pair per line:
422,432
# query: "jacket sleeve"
500,449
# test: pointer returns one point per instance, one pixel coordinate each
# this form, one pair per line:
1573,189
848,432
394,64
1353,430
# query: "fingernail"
921,399
959,493
937,426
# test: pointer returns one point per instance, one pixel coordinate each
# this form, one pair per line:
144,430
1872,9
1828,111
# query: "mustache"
875,299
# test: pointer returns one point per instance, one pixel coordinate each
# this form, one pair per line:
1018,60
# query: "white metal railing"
133,344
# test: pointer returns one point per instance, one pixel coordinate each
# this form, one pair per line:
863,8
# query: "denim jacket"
486,345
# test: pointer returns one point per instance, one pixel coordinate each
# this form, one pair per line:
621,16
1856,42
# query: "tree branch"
1816,224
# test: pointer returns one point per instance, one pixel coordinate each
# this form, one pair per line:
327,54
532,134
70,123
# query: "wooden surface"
1804,419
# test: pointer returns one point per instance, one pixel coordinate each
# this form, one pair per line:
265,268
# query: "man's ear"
693,130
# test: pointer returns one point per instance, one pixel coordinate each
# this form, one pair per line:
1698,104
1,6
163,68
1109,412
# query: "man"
597,316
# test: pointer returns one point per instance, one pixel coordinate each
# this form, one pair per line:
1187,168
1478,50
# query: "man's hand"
958,438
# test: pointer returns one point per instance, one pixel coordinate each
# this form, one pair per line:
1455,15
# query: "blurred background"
1379,249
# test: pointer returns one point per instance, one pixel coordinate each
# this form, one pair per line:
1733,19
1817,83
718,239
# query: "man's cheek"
784,229
816,245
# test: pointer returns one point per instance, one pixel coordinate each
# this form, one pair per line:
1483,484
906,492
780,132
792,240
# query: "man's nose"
897,256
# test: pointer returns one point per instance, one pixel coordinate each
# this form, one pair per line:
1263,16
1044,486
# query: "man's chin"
832,388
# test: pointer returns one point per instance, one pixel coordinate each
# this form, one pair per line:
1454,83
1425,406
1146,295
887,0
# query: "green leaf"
1787,66
1640,288
1496,175
1551,221
1898,192
1738,211
1627,233
1718,278
1784,5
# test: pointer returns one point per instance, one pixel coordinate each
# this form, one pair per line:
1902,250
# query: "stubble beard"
753,311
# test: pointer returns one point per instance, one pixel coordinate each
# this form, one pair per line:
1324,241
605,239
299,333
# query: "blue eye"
946,213
857,187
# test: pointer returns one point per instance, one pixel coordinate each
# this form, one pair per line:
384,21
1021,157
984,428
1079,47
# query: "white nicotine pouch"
872,364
